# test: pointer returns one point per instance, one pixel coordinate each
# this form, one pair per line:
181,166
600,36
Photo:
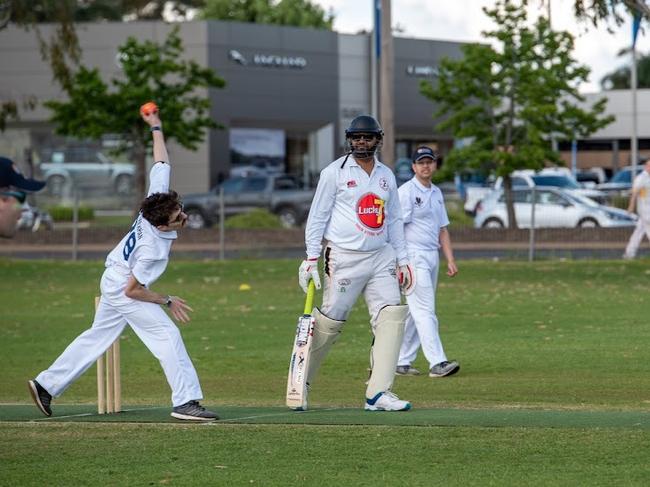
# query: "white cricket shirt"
642,184
356,211
144,250
424,213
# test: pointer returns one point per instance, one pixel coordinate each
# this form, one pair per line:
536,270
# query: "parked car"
590,178
554,207
526,178
281,195
85,169
257,168
621,182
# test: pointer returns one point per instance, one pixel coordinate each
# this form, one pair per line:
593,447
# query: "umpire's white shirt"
356,211
144,251
424,213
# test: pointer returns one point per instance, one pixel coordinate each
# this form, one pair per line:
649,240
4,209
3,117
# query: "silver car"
554,207
85,169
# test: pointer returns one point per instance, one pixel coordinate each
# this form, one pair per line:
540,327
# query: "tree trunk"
510,204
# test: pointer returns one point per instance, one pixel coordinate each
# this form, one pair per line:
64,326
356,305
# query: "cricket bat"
297,381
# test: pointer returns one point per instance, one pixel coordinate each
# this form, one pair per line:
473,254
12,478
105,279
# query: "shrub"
64,213
258,218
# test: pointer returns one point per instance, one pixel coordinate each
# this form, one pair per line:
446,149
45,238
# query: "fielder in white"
639,201
425,230
356,210
131,268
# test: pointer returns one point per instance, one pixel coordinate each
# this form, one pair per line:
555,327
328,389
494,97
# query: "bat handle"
309,300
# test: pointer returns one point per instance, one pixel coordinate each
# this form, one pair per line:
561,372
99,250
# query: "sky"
463,20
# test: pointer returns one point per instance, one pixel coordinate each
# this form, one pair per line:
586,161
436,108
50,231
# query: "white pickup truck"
559,178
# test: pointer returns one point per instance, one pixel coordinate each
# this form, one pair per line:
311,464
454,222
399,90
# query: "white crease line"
80,415
274,414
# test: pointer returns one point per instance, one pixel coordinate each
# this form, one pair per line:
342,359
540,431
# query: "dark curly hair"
158,207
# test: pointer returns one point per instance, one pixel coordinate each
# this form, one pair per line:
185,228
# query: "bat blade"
298,365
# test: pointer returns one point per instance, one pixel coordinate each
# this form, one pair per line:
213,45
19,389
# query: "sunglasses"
19,195
363,136
179,217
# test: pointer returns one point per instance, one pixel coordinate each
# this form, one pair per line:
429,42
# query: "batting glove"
308,271
406,278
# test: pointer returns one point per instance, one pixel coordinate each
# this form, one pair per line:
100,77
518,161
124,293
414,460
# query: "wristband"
156,128
168,302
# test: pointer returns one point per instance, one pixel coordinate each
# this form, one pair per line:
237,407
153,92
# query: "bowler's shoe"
193,411
41,397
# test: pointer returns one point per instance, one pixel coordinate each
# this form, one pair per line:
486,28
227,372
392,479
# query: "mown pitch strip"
513,418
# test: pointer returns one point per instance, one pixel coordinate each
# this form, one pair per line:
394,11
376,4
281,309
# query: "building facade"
290,93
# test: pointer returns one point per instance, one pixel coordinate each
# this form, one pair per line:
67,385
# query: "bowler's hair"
158,207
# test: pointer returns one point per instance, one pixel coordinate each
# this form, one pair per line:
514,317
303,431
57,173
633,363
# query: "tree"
300,13
509,101
597,11
149,72
619,79
62,50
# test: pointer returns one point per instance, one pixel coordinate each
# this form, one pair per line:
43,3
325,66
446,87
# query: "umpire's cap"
425,151
10,176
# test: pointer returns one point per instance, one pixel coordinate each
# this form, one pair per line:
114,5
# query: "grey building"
290,93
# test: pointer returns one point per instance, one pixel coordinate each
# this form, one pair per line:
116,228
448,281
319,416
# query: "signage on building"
267,60
421,71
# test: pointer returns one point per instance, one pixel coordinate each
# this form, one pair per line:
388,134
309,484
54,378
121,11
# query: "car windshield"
558,181
623,176
582,199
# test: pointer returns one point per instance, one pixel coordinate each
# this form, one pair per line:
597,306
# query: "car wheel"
56,185
288,217
195,218
588,223
124,184
493,223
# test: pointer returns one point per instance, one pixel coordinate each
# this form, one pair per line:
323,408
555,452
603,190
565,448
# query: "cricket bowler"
131,268
356,209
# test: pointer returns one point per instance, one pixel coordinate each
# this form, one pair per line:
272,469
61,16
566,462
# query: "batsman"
356,210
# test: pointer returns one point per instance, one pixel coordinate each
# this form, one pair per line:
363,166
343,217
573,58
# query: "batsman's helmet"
364,124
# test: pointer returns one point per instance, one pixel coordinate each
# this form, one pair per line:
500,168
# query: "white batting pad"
389,330
326,332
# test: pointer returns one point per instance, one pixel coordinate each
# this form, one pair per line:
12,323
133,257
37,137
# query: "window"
256,185
233,186
559,181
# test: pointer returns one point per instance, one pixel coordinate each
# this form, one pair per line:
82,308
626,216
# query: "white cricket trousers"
421,323
642,228
348,273
152,325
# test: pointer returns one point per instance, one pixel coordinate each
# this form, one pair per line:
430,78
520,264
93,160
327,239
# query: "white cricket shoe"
387,401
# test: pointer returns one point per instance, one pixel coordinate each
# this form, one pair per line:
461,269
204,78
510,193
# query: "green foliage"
599,11
508,101
299,13
65,213
150,71
258,218
619,79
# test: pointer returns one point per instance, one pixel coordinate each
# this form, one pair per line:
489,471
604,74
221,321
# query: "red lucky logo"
370,210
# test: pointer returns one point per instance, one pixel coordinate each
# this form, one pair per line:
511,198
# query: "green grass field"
554,387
